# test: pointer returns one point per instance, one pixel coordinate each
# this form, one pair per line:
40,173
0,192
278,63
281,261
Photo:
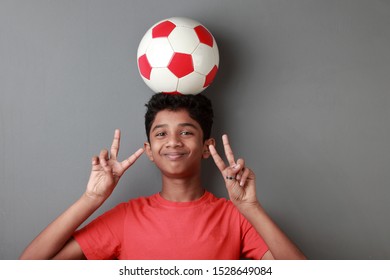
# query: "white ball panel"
191,84
204,59
216,52
180,21
183,40
163,80
159,52
145,41
150,84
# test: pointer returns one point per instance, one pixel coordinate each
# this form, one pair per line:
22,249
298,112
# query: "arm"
56,241
241,186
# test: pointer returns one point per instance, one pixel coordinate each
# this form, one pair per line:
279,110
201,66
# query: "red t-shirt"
155,228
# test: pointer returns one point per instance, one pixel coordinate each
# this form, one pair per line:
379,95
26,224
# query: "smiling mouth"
174,156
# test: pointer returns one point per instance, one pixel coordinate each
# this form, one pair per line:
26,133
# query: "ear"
206,151
148,151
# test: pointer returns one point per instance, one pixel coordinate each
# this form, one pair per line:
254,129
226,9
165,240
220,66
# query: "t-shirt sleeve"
102,238
253,245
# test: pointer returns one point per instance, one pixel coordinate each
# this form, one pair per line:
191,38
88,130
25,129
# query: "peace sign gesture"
239,179
106,170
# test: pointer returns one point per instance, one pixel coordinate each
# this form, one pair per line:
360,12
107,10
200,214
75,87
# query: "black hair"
198,106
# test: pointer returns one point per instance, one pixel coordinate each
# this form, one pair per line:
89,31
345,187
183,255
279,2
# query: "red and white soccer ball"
178,56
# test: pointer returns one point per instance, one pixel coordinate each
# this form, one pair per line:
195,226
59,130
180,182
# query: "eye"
160,134
186,132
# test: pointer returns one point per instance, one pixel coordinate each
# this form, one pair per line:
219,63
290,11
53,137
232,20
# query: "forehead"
174,118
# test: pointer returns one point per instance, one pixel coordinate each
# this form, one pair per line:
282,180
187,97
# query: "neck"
181,189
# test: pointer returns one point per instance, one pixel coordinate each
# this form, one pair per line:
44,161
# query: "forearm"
278,243
52,239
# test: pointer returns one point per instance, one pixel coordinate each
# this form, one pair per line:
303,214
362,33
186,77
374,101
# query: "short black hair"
198,106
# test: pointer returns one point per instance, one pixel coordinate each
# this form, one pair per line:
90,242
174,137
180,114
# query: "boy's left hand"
239,179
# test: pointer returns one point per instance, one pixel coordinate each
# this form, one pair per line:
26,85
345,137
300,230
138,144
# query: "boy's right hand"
106,170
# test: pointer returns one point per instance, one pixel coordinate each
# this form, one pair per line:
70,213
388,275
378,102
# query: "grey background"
303,92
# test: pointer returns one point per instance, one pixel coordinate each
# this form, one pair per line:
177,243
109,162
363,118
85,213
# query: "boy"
183,221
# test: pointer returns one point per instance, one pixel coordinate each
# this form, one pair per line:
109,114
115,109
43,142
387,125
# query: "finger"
217,159
95,163
103,158
244,176
228,150
240,166
115,144
95,160
233,172
130,160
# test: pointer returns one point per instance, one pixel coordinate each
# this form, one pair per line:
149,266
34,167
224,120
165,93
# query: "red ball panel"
204,35
144,66
210,76
163,29
173,93
181,64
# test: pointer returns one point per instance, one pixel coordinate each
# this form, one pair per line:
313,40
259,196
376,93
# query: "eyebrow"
180,124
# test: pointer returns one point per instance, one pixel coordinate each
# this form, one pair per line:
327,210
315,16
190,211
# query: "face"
176,144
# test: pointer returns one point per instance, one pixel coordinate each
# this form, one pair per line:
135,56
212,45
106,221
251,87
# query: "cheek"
198,149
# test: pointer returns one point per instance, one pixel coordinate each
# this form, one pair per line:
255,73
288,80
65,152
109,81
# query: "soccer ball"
178,56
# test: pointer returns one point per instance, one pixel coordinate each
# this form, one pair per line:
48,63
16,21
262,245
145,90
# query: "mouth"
174,155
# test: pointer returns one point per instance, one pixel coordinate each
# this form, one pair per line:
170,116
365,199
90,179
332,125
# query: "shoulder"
224,204
229,209
219,200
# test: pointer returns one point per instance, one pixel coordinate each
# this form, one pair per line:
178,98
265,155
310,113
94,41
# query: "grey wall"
303,92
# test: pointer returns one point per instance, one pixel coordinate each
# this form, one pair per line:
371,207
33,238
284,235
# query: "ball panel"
210,76
159,52
204,35
163,29
204,59
162,80
216,52
173,93
191,84
181,64
144,66
183,40
150,84
145,41
187,22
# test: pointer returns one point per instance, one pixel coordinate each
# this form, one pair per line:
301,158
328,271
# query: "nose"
174,141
